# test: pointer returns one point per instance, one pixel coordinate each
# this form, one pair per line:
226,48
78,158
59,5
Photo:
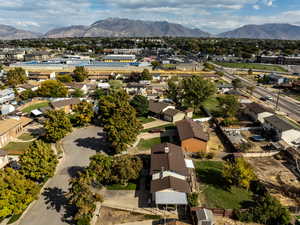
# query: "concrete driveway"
50,208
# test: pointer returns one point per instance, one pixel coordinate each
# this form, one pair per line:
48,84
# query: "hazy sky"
210,15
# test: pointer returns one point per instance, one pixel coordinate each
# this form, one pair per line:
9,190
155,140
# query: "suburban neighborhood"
147,135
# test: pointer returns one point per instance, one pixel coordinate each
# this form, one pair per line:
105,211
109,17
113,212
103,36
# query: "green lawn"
214,192
26,137
16,148
35,106
129,186
256,66
167,127
144,120
147,144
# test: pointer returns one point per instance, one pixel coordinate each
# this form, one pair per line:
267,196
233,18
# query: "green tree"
174,92
52,88
16,76
119,119
193,199
16,192
229,105
57,125
82,114
80,74
238,173
141,105
77,93
38,162
98,93
155,65
237,83
27,94
99,169
115,84
146,75
196,90
126,168
65,78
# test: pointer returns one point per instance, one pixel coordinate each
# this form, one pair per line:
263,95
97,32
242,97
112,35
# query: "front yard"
214,192
16,148
147,144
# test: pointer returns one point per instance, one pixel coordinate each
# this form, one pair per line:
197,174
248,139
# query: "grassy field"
35,106
214,192
26,137
16,148
256,66
144,120
147,144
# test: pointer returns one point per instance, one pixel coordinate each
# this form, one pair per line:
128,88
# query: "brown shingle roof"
257,108
190,129
169,183
157,107
172,112
170,160
62,103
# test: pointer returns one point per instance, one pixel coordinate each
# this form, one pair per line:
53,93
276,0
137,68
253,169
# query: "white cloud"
257,7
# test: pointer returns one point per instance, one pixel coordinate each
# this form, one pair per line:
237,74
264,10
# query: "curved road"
49,208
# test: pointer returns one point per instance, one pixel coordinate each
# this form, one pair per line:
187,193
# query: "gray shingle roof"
62,103
169,183
157,107
279,123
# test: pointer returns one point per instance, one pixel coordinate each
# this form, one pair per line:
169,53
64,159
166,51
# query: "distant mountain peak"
282,31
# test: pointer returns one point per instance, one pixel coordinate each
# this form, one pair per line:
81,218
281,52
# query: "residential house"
7,95
136,88
192,136
173,115
74,85
283,130
170,175
277,79
257,112
66,105
11,128
7,109
157,108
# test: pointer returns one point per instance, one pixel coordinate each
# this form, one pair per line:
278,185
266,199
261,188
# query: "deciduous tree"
82,114
141,105
57,125
52,88
146,75
38,162
229,105
16,76
80,74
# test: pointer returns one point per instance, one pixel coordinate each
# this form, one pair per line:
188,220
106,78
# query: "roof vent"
167,150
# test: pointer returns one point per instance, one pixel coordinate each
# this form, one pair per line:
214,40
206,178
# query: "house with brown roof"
170,175
66,105
192,136
257,112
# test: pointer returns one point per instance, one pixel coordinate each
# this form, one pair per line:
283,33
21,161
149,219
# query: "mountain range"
116,27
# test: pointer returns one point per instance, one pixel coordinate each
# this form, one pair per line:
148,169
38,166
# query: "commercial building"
120,58
282,60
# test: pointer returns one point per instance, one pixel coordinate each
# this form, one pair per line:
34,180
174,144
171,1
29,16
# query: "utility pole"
277,101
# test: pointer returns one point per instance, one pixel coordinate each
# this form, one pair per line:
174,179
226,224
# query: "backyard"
147,144
144,120
35,106
16,148
256,66
214,192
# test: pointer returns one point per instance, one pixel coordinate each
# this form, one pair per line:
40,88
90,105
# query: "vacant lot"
256,66
214,193
35,106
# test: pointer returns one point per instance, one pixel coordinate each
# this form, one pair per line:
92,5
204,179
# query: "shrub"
193,199
210,155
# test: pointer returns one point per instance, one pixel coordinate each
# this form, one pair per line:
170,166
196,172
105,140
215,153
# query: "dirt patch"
214,143
109,216
277,178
